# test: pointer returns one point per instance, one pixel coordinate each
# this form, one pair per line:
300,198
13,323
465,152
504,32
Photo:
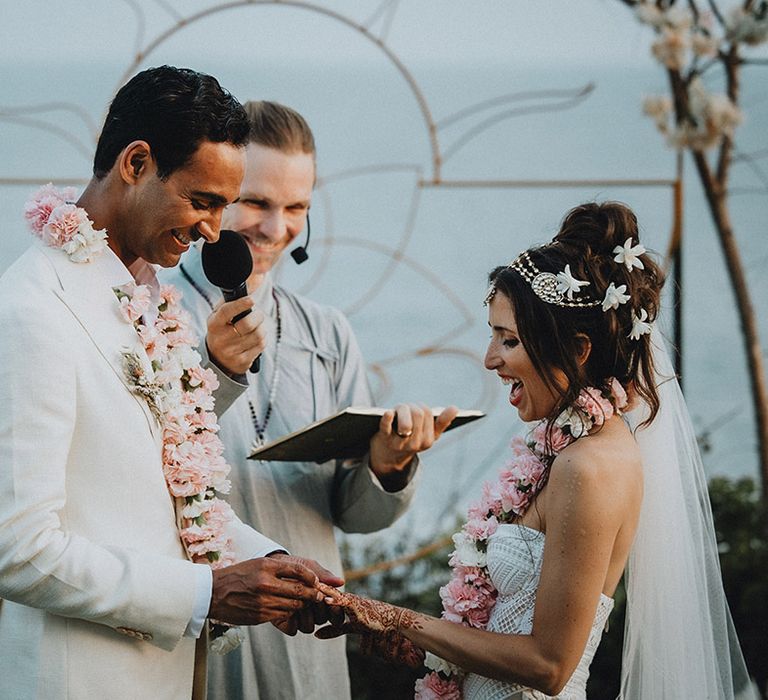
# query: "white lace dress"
514,563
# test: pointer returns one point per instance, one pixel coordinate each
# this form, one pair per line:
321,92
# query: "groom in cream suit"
99,598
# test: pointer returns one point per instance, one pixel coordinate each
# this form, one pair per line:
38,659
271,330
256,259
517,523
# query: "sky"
424,30
363,111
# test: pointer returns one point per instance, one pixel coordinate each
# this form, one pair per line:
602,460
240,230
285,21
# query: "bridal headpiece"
565,290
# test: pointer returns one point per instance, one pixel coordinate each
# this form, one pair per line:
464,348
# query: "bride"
607,484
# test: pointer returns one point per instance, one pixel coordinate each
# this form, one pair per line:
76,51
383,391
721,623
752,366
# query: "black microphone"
300,254
227,264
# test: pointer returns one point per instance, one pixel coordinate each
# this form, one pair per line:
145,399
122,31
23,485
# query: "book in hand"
344,435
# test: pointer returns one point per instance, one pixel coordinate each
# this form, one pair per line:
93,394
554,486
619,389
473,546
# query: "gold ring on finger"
405,435
234,328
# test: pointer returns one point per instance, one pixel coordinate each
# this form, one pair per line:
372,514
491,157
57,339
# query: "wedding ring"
234,328
405,435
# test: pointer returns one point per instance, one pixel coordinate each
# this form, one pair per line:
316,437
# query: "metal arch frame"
396,254
301,4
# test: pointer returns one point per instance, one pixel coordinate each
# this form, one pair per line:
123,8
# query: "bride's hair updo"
552,331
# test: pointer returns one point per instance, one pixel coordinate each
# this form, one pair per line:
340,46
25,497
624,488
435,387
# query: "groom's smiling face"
165,216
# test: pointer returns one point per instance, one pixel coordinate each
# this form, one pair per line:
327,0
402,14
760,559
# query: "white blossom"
704,45
659,108
615,296
567,284
715,116
679,17
671,48
648,13
629,255
640,326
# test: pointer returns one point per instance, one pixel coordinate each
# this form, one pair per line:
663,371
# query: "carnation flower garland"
470,595
178,390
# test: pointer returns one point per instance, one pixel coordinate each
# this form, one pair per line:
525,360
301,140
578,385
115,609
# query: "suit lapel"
87,290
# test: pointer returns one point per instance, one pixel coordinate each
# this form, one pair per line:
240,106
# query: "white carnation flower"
576,421
467,552
435,663
231,639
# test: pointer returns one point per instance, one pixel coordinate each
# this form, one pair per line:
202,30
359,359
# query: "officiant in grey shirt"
311,368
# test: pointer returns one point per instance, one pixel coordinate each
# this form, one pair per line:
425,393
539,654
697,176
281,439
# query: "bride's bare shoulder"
609,459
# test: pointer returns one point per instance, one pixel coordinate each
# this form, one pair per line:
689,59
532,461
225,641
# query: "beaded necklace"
260,427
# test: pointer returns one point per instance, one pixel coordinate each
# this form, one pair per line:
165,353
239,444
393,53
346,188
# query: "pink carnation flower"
62,225
513,500
596,405
481,528
153,341
169,295
434,687
38,210
205,378
199,398
136,303
491,499
467,603
204,421
518,446
549,441
619,395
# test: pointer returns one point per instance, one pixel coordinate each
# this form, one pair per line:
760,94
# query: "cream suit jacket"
97,590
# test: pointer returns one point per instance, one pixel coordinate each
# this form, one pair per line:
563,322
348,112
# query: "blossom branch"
716,12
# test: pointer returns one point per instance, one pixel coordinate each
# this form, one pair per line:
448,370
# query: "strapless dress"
514,563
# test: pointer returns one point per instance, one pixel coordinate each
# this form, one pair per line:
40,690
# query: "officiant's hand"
394,446
263,590
234,346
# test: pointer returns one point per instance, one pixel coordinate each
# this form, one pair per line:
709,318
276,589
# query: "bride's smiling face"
529,393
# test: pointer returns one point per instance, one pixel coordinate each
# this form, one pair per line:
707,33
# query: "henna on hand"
392,647
367,615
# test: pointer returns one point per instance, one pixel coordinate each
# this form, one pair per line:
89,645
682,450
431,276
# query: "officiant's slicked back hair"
552,335
276,126
173,110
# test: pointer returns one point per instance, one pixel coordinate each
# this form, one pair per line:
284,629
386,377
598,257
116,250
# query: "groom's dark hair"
173,110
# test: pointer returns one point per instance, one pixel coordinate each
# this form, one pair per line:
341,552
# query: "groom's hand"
262,590
233,347
313,614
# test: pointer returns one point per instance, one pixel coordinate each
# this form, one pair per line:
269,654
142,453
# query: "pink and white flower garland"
178,390
59,223
468,598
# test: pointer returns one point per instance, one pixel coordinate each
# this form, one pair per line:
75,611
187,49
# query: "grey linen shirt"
297,504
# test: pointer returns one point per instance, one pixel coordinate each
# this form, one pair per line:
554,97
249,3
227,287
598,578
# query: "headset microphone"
300,254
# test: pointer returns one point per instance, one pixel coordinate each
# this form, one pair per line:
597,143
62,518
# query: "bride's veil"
679,639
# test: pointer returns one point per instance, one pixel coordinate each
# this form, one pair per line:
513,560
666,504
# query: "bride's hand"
379,625
366,615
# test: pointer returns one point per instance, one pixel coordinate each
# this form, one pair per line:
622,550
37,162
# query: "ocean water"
409,263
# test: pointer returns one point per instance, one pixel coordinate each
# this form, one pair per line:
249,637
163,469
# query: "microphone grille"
228,262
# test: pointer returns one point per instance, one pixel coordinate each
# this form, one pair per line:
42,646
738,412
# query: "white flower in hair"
615,296
640,325
567,284
629,255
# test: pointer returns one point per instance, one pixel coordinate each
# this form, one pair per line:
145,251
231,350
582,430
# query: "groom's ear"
583,348
135,161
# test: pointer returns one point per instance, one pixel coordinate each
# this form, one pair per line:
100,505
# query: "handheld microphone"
300,254
227,264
